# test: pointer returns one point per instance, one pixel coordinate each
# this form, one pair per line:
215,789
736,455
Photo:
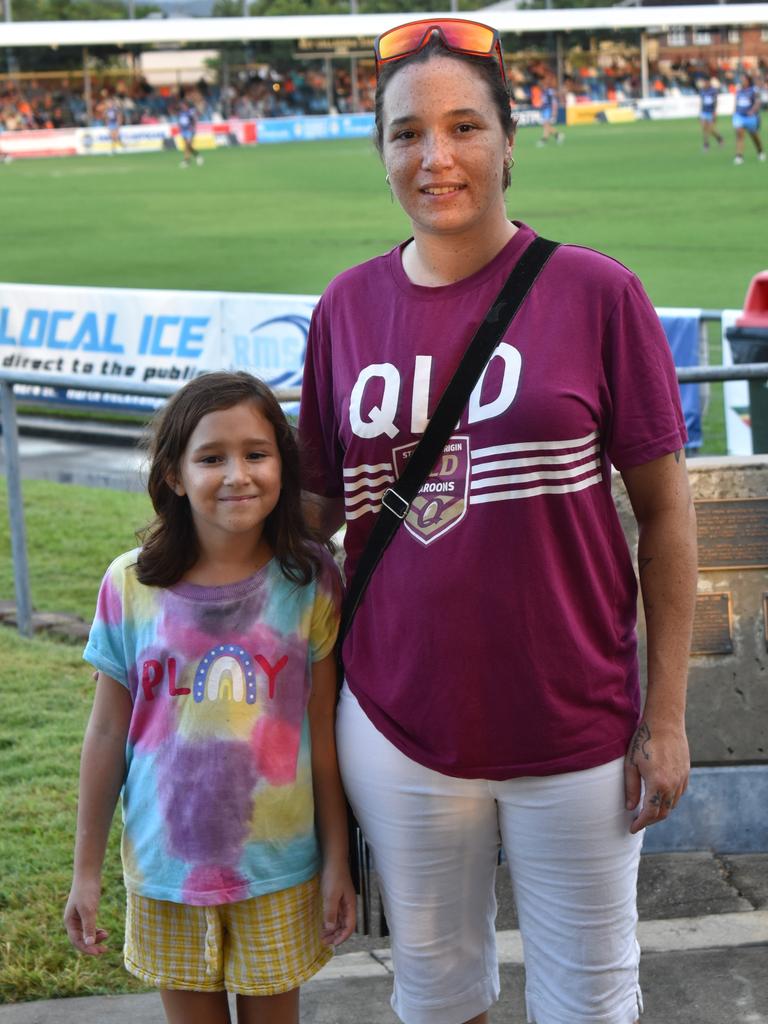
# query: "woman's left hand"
656,767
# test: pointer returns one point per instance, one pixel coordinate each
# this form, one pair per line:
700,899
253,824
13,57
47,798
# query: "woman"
746,118
491,676
708,114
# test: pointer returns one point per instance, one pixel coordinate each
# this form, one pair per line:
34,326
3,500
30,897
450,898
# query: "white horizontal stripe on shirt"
533,446
545,474
378,468
535,460
532,492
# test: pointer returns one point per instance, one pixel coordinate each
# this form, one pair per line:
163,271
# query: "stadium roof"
332,26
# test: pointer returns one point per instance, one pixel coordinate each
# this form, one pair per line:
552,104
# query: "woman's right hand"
80,918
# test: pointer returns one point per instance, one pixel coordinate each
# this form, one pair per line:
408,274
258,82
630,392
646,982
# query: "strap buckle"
388,495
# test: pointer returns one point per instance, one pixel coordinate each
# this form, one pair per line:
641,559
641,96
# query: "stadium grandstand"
334,75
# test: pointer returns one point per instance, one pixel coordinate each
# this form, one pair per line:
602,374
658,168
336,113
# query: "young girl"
214,712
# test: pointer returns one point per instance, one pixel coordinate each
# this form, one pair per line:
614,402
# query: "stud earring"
389,186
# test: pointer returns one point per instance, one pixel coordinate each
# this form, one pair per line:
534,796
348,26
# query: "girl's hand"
338,895
80,919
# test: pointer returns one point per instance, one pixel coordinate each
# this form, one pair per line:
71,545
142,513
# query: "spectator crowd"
30,103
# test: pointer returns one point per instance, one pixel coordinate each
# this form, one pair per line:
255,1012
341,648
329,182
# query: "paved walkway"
703,931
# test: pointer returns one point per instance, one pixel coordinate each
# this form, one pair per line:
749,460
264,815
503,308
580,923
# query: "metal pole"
9,57
560,59
329,90
644,87
16,509
87,91
740,371
355,97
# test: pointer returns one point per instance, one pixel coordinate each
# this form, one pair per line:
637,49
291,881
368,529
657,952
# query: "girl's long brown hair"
169,543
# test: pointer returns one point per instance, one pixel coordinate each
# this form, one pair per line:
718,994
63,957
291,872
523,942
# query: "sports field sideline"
286,218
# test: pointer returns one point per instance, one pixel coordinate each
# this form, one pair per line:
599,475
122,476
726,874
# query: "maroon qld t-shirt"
497,636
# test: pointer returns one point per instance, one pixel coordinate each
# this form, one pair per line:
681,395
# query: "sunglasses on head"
469,37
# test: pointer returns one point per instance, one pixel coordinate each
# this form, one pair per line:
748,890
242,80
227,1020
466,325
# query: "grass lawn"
73,533
47,692
286,218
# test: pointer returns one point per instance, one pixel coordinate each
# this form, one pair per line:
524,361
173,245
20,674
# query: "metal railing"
685,375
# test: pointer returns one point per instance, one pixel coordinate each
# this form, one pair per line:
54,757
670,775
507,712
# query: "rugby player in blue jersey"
708,113
113,118
550,108
187,119
746,118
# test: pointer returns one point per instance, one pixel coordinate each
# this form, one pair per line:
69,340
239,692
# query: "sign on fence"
148,335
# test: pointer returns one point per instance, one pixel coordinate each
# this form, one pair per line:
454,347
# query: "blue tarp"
683,336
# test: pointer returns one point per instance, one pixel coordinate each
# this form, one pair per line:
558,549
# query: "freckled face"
230,473
444,147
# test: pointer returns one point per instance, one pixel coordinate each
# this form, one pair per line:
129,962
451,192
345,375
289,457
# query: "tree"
75,10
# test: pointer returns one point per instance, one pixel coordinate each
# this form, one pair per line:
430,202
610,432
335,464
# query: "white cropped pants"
435,842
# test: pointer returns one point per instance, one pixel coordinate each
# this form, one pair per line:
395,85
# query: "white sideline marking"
744,928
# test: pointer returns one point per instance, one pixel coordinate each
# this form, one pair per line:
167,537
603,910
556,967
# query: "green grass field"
287,218
47,691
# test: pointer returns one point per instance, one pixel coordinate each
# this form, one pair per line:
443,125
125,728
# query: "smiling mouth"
240,497
442,190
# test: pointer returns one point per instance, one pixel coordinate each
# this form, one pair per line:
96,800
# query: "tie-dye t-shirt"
217,801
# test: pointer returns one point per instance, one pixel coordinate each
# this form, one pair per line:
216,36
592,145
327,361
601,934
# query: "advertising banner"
42,142
671,107
148,335
207,136
587,113
134,138
308,129
527,117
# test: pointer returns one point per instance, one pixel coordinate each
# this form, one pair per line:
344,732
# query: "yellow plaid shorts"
257,947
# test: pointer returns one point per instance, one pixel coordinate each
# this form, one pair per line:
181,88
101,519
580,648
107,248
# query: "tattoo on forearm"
678,454
639,743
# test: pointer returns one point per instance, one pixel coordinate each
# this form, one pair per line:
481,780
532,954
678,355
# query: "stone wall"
728,682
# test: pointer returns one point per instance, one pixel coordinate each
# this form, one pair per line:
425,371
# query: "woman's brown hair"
169,543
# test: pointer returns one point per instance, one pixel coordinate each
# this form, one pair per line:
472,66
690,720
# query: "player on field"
550,109
188,129
113,118
746,118
708,113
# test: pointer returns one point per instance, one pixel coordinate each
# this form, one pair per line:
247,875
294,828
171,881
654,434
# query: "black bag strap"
396,502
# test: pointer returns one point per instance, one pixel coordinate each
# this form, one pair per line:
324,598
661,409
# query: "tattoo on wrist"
639,741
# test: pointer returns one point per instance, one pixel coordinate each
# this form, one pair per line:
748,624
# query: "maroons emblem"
442,500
